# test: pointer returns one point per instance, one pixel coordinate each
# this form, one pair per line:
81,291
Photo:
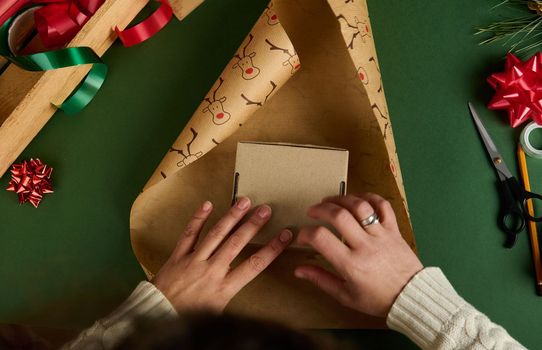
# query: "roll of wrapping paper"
242,79
265,61
332,96
533,232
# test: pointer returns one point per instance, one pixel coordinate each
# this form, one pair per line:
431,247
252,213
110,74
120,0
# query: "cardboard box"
290,178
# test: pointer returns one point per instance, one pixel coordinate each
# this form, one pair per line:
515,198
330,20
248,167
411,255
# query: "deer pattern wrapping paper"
357,34
263,63
319,62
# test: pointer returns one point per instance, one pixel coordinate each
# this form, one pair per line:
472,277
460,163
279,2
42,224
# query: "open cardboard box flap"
335,100
289,144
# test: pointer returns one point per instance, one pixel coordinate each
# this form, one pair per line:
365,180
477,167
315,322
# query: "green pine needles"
523,34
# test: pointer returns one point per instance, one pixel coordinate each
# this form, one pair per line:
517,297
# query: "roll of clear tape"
526,143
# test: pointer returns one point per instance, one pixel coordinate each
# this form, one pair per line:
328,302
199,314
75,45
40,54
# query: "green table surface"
70,261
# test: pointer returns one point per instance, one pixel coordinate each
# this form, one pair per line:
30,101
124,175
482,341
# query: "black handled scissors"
513,196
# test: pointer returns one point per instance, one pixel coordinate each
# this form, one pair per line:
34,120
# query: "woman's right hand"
374,263
197,276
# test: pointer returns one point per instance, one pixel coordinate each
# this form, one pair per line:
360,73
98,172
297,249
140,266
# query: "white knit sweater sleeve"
145,301
431,313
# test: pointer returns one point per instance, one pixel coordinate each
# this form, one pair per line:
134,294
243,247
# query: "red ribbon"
519,89
30,180
146,29
58,21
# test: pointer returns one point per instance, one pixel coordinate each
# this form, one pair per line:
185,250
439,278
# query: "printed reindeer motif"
248,69
359,28
387,126
188,157
272,17
372,59
375,108
362,74
293,58
386,129
260,103
216,107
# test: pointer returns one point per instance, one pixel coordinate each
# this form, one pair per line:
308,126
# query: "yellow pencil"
533,233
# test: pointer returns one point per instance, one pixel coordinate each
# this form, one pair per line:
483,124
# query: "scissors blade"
496,158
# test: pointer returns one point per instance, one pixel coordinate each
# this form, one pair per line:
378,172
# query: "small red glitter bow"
30,180
519,89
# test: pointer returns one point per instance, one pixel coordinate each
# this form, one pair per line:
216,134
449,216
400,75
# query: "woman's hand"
374,263
196,278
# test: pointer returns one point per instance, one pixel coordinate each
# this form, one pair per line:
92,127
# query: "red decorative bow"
30,180
519,89
58,21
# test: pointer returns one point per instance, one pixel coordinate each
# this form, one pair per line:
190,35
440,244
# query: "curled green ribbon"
67,57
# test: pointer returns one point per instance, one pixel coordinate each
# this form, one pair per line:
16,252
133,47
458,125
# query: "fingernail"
207,206
243,203
285,236
299,274
263,212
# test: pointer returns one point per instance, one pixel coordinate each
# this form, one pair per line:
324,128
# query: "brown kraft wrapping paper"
336,99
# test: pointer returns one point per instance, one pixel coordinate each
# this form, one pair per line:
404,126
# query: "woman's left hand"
373,262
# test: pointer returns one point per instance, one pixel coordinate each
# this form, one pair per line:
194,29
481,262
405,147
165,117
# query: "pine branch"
520,34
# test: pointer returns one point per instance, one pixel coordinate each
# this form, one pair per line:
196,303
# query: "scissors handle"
533,197
512,215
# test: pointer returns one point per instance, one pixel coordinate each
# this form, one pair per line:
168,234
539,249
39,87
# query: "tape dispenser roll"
526,143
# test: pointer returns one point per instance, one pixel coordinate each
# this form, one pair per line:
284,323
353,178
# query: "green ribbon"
67,57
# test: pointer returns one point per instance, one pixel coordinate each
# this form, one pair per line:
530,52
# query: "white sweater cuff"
145,301
424,306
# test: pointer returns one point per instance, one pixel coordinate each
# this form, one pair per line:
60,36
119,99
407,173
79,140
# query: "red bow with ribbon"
519,89
30,180
57,21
